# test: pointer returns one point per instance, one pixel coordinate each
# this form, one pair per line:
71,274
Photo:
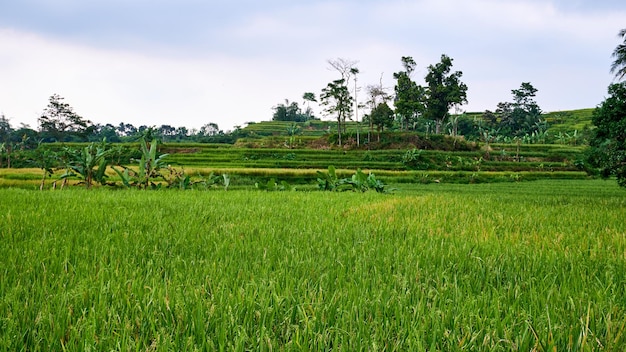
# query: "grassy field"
502,266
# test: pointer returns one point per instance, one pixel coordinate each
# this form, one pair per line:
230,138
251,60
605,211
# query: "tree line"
608,145
60,123
421,107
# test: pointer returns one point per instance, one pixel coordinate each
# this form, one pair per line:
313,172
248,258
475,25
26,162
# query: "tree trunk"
339,129
438,124
43,180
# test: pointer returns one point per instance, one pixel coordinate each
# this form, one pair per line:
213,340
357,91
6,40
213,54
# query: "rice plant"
499,267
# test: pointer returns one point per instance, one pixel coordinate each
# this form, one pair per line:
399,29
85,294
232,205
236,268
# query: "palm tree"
619,54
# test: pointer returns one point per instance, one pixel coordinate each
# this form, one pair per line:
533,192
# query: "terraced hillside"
499,157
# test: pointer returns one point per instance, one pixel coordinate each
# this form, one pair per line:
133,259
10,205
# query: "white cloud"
110,87
255,60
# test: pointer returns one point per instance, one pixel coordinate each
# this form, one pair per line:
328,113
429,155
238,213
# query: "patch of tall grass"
517,266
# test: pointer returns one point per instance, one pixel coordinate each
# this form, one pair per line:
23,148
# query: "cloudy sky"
191,62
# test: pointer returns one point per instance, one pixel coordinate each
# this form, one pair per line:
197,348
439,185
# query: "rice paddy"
502,266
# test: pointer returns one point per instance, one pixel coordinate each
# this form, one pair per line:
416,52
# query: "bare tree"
377,94
347,69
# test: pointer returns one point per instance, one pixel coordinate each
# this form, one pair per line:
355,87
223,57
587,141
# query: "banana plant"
359,182
226,180
89,163
327,181
272,185
150,164
149,169
179,179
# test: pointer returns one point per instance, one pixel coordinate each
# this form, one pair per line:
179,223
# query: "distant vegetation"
278,145
418,135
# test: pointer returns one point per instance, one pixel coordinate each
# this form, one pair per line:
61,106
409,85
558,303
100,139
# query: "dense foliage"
59,122
444,90
609,142
291,111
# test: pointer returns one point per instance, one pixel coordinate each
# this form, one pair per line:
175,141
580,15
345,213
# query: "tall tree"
444,90
309,97
60,123
5,129
381,117
619,55
347,69
609,142
338,101
126,129
409,101
5,138
354,72
523,115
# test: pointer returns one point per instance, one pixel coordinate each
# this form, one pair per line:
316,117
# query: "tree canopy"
444,90
523,115
609,142
409,102
338,102
60,123
382,117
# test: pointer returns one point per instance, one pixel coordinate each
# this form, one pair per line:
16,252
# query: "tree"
309,97
209,129
347,69
5,129
618,67
166,131
5,138
338,101
444,90
377,94
289,112
108,132
181,133
45,159
355,71
409,102
381,117
523,115
608,145
126,129
60,123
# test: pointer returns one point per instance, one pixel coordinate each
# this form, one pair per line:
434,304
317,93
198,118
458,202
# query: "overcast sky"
191,62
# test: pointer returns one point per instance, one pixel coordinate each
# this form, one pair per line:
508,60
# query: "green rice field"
517,266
